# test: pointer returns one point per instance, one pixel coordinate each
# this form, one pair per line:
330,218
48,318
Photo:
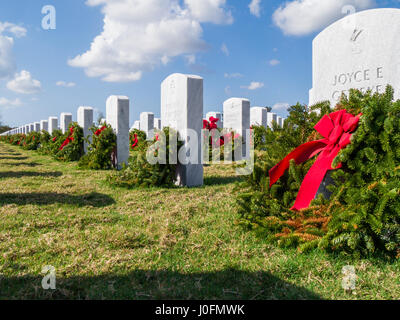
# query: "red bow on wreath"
99,131
135,141
211,124
69,139
337,129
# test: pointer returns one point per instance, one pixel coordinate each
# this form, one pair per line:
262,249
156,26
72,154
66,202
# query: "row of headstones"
147,123
117,115
255,116
181,109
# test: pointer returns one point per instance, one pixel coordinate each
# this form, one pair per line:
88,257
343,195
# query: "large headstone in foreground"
182,109
117,115
85,121
360,51
237,118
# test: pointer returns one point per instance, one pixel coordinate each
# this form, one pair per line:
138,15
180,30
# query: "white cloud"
139,35
4,102
235,75
65,84
253,86
7,62
280,107
302,17
24,83
225,49
210,11
274,62
255,8
12,28
190,59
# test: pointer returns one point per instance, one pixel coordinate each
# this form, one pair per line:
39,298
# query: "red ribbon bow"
99,131
135,141
69,139
337,129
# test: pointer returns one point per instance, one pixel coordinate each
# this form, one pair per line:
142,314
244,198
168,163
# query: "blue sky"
263,54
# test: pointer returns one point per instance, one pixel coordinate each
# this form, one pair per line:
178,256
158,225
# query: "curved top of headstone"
237,100
257,107
176,75
360,51
346,22
116,97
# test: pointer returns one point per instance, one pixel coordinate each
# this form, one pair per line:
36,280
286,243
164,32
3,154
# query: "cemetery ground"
178,243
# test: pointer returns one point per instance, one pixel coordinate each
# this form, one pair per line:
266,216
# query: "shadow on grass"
209,181
10,153
141,284
22,174
21,164
93,199
13,158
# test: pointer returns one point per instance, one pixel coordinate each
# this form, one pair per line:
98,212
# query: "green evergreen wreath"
362,215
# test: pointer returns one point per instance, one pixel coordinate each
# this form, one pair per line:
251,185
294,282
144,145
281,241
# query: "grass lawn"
114,243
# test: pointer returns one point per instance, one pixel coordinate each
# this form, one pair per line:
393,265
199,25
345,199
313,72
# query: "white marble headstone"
53,124
117,116
147,124
157,123
182,109
44,125
85,121
136,125
37,126
360,51
65,120
271,117
237,118
258,116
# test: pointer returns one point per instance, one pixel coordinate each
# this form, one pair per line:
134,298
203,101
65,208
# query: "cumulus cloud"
7,61
302,17
210,11
65,84
4,102
274,62
12,28
280,107
255,8
253,86
139,35
24,83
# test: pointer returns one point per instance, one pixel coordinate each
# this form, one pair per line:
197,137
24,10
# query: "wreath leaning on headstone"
357,145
